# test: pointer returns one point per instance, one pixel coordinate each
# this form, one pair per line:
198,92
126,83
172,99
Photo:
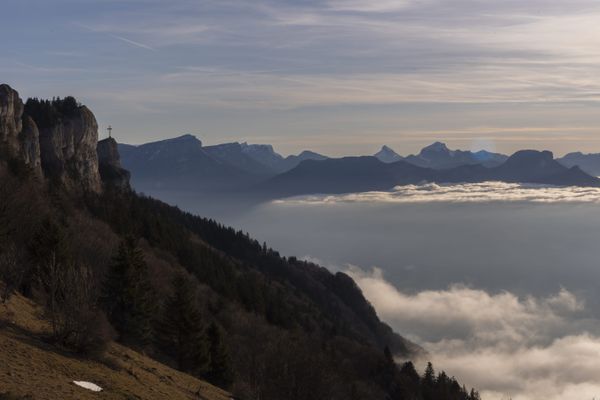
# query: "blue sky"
336,76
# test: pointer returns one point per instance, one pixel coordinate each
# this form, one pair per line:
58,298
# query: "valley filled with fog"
488,277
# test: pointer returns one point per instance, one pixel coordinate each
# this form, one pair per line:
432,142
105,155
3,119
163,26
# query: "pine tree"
428,383
409,371
409,382
474,395
219,371
389,375
388,369
429,376
180,332
128,297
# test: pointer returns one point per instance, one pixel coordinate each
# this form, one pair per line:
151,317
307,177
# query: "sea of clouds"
513,332
461,193
510,347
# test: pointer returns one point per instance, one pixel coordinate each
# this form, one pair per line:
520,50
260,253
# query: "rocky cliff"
68,147
29,140
58,140
11,111
19,136
109,163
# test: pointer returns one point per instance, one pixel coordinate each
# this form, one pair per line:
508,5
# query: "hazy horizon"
402,152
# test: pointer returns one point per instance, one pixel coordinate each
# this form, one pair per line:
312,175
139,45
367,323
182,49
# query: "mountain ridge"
184,163
590,162
237,168
358,174
439,156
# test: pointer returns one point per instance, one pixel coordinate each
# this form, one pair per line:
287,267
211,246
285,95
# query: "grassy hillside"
32,368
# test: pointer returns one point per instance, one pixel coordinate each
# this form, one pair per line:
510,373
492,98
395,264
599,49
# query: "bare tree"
12,271
71,296
51,281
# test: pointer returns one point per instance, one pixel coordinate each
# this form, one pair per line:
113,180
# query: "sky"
335,76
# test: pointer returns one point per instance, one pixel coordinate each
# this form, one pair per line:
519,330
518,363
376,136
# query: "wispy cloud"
386,52
370,6
133,42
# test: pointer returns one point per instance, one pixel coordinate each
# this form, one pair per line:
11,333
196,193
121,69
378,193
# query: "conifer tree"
219,371
409,371
180,333
474,395
389,375
429,376
388,369
428,383
127,295
409,382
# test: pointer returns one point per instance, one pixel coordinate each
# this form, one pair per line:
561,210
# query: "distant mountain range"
589,163
184,164
179,163
359,174
258,158
438,156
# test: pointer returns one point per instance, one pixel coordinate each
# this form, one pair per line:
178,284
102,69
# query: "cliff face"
19,136
29,140
58,140
109,163
68,149
11,111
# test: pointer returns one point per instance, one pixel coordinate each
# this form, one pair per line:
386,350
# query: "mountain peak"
437,147
183,140
387,155
187,137
263,153
258,147
532,155
575,154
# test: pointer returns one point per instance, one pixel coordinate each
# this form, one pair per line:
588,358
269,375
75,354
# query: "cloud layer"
524,348
486,192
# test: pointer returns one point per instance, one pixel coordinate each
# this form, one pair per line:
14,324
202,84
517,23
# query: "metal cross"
109,129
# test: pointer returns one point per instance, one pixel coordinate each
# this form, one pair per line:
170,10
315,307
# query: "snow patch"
88,385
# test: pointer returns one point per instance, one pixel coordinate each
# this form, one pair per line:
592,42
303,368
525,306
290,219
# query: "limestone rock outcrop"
19,136
29,140
109,163
58,140
68,148
11,112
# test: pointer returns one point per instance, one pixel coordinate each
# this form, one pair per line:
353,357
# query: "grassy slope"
30,366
